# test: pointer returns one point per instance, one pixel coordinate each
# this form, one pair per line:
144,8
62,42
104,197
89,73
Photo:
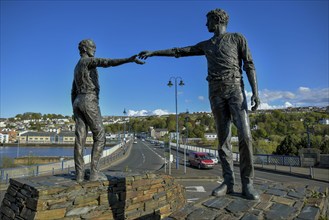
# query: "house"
4,138
158,132
210,136
324,121
32,137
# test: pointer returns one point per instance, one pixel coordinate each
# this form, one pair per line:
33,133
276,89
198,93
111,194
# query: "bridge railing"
258,158
64,166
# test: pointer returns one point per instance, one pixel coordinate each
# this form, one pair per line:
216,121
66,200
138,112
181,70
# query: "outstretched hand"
255,102
144,54
134,59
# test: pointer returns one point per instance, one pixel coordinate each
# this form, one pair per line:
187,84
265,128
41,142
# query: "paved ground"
279,200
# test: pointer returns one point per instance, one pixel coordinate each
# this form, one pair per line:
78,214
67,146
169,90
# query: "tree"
289,146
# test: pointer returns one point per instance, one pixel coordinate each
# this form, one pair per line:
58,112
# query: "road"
146,157
143,157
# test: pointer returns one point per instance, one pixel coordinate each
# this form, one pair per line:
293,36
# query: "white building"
4,138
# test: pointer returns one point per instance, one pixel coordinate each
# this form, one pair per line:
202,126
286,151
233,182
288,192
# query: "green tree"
289,145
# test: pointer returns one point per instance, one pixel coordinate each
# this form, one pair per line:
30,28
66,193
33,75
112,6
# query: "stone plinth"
122,196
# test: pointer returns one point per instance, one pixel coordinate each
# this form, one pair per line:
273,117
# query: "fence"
258,158
36,170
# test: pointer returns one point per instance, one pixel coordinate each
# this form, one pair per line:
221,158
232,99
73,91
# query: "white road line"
195,189
143,158
192,199
153,151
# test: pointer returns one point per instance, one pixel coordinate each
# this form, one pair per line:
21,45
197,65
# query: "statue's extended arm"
117,62
173,52
104,62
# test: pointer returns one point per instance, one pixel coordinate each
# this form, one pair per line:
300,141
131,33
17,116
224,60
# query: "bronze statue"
85,99
225,53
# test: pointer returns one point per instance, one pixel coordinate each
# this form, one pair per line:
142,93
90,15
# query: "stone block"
133,214
79,211
217,203
183,212
249,216
309,213
27,213
264,205
7,212
202,214
283,200
83,199
296,195
276,192
50,214
240,205
57,200
36,204
265,197
280,211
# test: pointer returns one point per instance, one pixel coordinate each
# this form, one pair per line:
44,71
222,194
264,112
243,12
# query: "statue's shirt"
224,55
86,76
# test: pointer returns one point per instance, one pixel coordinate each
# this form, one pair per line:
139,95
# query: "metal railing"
258,158
67,166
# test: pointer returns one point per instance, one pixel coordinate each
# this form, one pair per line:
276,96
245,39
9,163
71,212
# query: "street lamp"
186,140
181,83
124,127
308,124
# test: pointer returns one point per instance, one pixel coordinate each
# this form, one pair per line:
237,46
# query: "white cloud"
137,113
146,113
288,104
303,96
304,89
201,98
160,112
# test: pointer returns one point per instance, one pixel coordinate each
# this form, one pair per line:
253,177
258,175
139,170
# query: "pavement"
277,200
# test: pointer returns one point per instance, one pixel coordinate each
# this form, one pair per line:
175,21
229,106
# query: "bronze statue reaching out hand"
225,53
85,102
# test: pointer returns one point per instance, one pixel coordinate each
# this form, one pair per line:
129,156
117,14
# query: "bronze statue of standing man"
225,53
85,102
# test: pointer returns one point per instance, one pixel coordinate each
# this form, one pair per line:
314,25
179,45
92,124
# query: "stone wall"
122,196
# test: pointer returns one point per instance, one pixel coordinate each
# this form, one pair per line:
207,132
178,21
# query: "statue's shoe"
250,193
222,190
98,176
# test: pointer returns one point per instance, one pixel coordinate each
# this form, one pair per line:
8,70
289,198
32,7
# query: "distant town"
34,128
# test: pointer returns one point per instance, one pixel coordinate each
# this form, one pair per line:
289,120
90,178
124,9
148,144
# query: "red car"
200,160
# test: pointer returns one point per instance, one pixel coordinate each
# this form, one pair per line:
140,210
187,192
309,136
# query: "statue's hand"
255,102
134,59
144,54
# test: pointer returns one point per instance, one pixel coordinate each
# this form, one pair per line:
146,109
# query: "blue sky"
288,41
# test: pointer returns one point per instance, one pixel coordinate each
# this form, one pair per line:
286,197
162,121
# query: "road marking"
153,151
192,199
143,158
195,189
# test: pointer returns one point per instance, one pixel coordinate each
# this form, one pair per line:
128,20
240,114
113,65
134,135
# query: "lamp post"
307,124
124,127
181,83
18,146
186,140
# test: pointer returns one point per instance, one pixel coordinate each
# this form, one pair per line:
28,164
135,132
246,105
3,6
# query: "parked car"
213,157
200,160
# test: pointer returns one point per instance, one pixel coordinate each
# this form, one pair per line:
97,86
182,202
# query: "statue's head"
88,47
219,15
